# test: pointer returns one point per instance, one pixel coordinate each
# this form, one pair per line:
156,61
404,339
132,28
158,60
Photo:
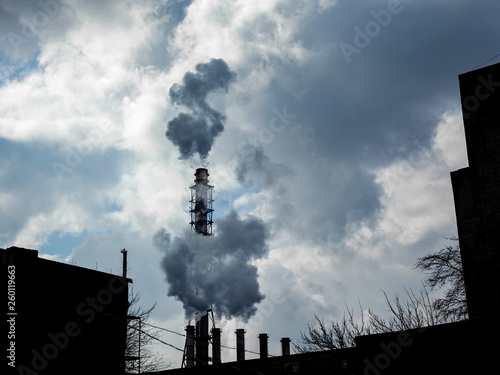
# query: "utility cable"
164,329
485,62
246,350
142,331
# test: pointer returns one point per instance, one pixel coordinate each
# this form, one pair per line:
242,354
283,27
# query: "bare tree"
444,270
140,334
338,335
415,312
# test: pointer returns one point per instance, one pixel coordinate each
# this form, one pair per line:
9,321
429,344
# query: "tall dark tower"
476,191
201,203
202,341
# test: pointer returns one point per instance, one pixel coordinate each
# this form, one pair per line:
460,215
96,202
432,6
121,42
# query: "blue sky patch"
62,244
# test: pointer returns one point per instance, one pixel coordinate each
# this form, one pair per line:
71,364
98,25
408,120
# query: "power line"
180,334
143,332
153,337
164,329
485,62
175,347
246,350
182,350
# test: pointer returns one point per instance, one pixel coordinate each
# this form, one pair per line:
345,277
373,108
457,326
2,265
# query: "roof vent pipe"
285,346
240,344
263,345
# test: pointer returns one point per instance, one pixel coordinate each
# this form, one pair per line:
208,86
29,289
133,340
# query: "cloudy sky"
329,128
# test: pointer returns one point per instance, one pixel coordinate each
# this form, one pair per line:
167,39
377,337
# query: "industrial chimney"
189,346
202,341
263,345
216,346
240,344
201,203
285,346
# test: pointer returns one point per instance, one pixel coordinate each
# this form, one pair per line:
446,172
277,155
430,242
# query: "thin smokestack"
285,346
263,345
189,346
202,341
201,203
240,344
216,346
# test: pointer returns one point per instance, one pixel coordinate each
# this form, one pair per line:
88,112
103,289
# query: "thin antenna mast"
124,272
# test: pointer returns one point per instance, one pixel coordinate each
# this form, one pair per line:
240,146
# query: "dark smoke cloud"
259,169
195,133
202,272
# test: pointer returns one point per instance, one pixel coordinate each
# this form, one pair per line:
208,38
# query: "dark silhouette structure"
62,319
476,191
455,348
196,351
202,341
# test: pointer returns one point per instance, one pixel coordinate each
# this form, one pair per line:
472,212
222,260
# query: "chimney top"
263,345
285,346
201,174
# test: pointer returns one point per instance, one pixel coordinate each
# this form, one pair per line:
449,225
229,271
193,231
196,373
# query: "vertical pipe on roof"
263,345
285,346
240,344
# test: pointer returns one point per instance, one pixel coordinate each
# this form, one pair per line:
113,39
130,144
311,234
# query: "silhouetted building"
467,347
61,319
339,362
476,191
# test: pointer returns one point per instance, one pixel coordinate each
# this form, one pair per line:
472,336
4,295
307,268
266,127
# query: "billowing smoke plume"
195,132
259,169
202,272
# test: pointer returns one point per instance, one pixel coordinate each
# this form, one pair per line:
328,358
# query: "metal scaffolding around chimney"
197,342
201,203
